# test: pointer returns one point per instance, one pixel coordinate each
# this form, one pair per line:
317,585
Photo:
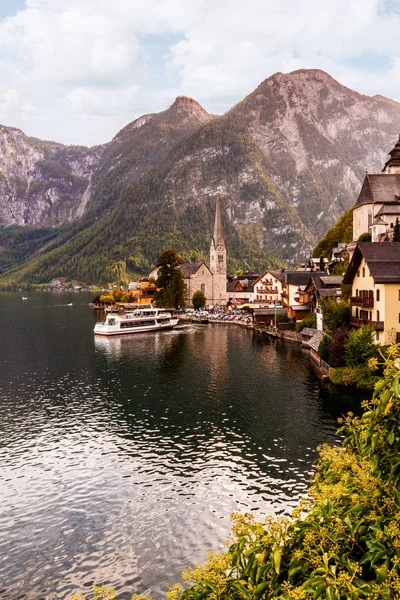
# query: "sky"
77,71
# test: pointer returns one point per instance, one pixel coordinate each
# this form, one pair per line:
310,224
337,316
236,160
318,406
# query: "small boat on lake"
138,321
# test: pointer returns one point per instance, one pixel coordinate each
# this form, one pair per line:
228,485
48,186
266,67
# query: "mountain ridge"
286,162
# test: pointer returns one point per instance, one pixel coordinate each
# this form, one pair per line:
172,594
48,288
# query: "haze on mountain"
286,162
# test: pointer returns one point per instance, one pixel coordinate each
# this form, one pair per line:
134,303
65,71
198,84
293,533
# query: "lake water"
121,459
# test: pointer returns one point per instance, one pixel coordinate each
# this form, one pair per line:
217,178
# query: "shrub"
323,348
308,321
199,300
360,346
365,237
336,347
336,314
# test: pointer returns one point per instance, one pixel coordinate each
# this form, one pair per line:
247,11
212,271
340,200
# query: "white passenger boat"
145,319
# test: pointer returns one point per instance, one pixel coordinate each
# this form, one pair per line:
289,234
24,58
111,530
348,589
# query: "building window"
358,273
203,288
377,315
391,225
377,336
399,295
363,272
378,295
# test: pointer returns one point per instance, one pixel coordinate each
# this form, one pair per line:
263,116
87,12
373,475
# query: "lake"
121,459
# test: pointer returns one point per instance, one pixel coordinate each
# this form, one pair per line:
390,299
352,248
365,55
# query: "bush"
323,348
336,347
365,237
199,300
360,346
359,377
308,321
335,314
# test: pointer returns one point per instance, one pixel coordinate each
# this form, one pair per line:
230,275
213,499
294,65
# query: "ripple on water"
122,459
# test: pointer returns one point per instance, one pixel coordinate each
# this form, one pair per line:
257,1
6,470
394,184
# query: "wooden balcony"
377,325
363,302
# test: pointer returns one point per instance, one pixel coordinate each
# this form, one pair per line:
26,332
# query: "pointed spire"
393,164
218,230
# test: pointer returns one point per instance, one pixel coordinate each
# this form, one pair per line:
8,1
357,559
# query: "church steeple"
218,230
393,164
218,259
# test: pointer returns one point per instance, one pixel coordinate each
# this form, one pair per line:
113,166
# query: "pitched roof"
382,258
189,269
279,275
331,280
308,331
314,342
382,188
300,277
389,209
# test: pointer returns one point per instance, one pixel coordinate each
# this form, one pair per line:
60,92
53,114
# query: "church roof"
189,269
390,209
218,237
383,188
394,160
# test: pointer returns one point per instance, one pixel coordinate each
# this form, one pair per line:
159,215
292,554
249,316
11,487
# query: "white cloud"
86,62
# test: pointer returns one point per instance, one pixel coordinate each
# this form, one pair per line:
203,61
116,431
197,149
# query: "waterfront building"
378,204
374,274
197,276
218,260
269,287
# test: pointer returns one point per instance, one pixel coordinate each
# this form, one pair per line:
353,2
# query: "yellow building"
374,274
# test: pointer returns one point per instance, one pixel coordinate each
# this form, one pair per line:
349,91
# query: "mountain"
286,162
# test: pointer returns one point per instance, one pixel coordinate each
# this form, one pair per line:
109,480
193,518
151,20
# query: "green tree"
199,300
336,314
323,348
170,282
396,231
365,237
360,346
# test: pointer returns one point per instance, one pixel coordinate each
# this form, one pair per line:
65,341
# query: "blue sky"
76,71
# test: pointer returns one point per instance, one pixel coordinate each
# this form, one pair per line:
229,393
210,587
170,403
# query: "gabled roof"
383,188
189,269
382,258
389,209
315,341
332,280
300,277
379,221
279,275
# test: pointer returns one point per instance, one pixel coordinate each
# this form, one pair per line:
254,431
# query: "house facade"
374,274
268,288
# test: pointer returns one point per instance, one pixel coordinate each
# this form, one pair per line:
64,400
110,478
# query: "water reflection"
121,458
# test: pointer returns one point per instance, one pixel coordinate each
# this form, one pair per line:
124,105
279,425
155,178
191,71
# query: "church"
211,281
378,205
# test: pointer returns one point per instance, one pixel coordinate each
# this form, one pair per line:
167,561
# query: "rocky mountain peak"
188,109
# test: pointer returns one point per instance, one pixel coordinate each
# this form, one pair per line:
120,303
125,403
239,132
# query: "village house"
319,287
295,283
374,274
240,290
58,282
268,288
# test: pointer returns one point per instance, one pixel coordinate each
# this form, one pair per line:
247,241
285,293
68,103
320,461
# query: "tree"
199,300
396,231
360,346
365,237
321,263
336,314
323,348
337,347
170,282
